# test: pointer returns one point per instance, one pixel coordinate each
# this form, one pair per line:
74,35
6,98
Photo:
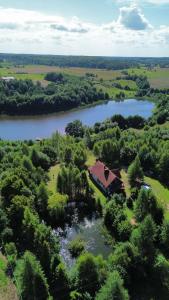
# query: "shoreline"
78,108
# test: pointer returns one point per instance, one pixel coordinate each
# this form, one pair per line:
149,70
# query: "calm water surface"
20,128
91,231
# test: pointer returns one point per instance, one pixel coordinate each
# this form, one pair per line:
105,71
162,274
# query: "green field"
53,173
158,77
103,79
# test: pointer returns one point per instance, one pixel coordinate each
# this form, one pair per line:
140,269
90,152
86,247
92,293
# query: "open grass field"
158,77
53,173
124,178
104,79
39,71
7,288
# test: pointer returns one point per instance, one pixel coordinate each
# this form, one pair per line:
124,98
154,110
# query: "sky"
85,27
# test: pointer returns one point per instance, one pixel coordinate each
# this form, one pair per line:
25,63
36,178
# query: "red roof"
103,174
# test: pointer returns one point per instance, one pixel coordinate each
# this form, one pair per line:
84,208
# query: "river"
32,127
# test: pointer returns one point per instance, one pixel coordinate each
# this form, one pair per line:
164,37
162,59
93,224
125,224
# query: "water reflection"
90,230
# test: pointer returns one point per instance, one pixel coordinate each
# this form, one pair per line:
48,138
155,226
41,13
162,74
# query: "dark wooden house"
105,179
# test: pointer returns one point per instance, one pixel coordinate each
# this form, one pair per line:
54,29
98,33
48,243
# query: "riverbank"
31,127
80,107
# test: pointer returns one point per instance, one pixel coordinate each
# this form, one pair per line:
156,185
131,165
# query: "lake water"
32,127
91,231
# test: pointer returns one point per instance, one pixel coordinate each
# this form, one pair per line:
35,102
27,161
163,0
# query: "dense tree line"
25,98
115,63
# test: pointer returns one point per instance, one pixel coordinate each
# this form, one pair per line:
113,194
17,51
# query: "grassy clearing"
158,77
7,288
162,194
113,91
91,158
124,178
53,174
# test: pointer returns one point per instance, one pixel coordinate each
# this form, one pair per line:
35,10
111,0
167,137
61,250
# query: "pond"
90,230
32,127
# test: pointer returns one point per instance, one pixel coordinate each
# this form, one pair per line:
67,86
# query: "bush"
77,246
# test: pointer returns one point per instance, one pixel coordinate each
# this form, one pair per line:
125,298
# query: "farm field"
158,77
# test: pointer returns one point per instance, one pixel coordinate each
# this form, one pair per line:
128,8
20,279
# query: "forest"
114,63
136,222
24,97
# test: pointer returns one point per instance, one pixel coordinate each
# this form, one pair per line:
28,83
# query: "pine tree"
30,279
135,172
113,289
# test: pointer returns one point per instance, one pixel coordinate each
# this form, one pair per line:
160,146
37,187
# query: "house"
105,179
7,79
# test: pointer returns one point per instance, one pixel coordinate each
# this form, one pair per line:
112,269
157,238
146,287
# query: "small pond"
90,229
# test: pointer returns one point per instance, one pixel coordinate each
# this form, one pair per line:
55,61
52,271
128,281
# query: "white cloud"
158,2
132,18
137,2
131,34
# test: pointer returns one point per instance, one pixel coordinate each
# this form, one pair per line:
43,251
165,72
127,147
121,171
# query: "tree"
135,172
115,219
110,153
161,272
80,157
68,155
30,279
143,238
11,186
5,231
42,199
40,159
164,167
88,139
56,207
165,235
113,289
60,282
27,164
147,204
87,275
55,77
75,129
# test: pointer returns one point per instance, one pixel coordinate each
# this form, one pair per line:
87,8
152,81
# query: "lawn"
53,173
162,194
97,192
91,159
125,181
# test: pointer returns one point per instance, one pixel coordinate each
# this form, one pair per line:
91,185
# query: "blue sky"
86,27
